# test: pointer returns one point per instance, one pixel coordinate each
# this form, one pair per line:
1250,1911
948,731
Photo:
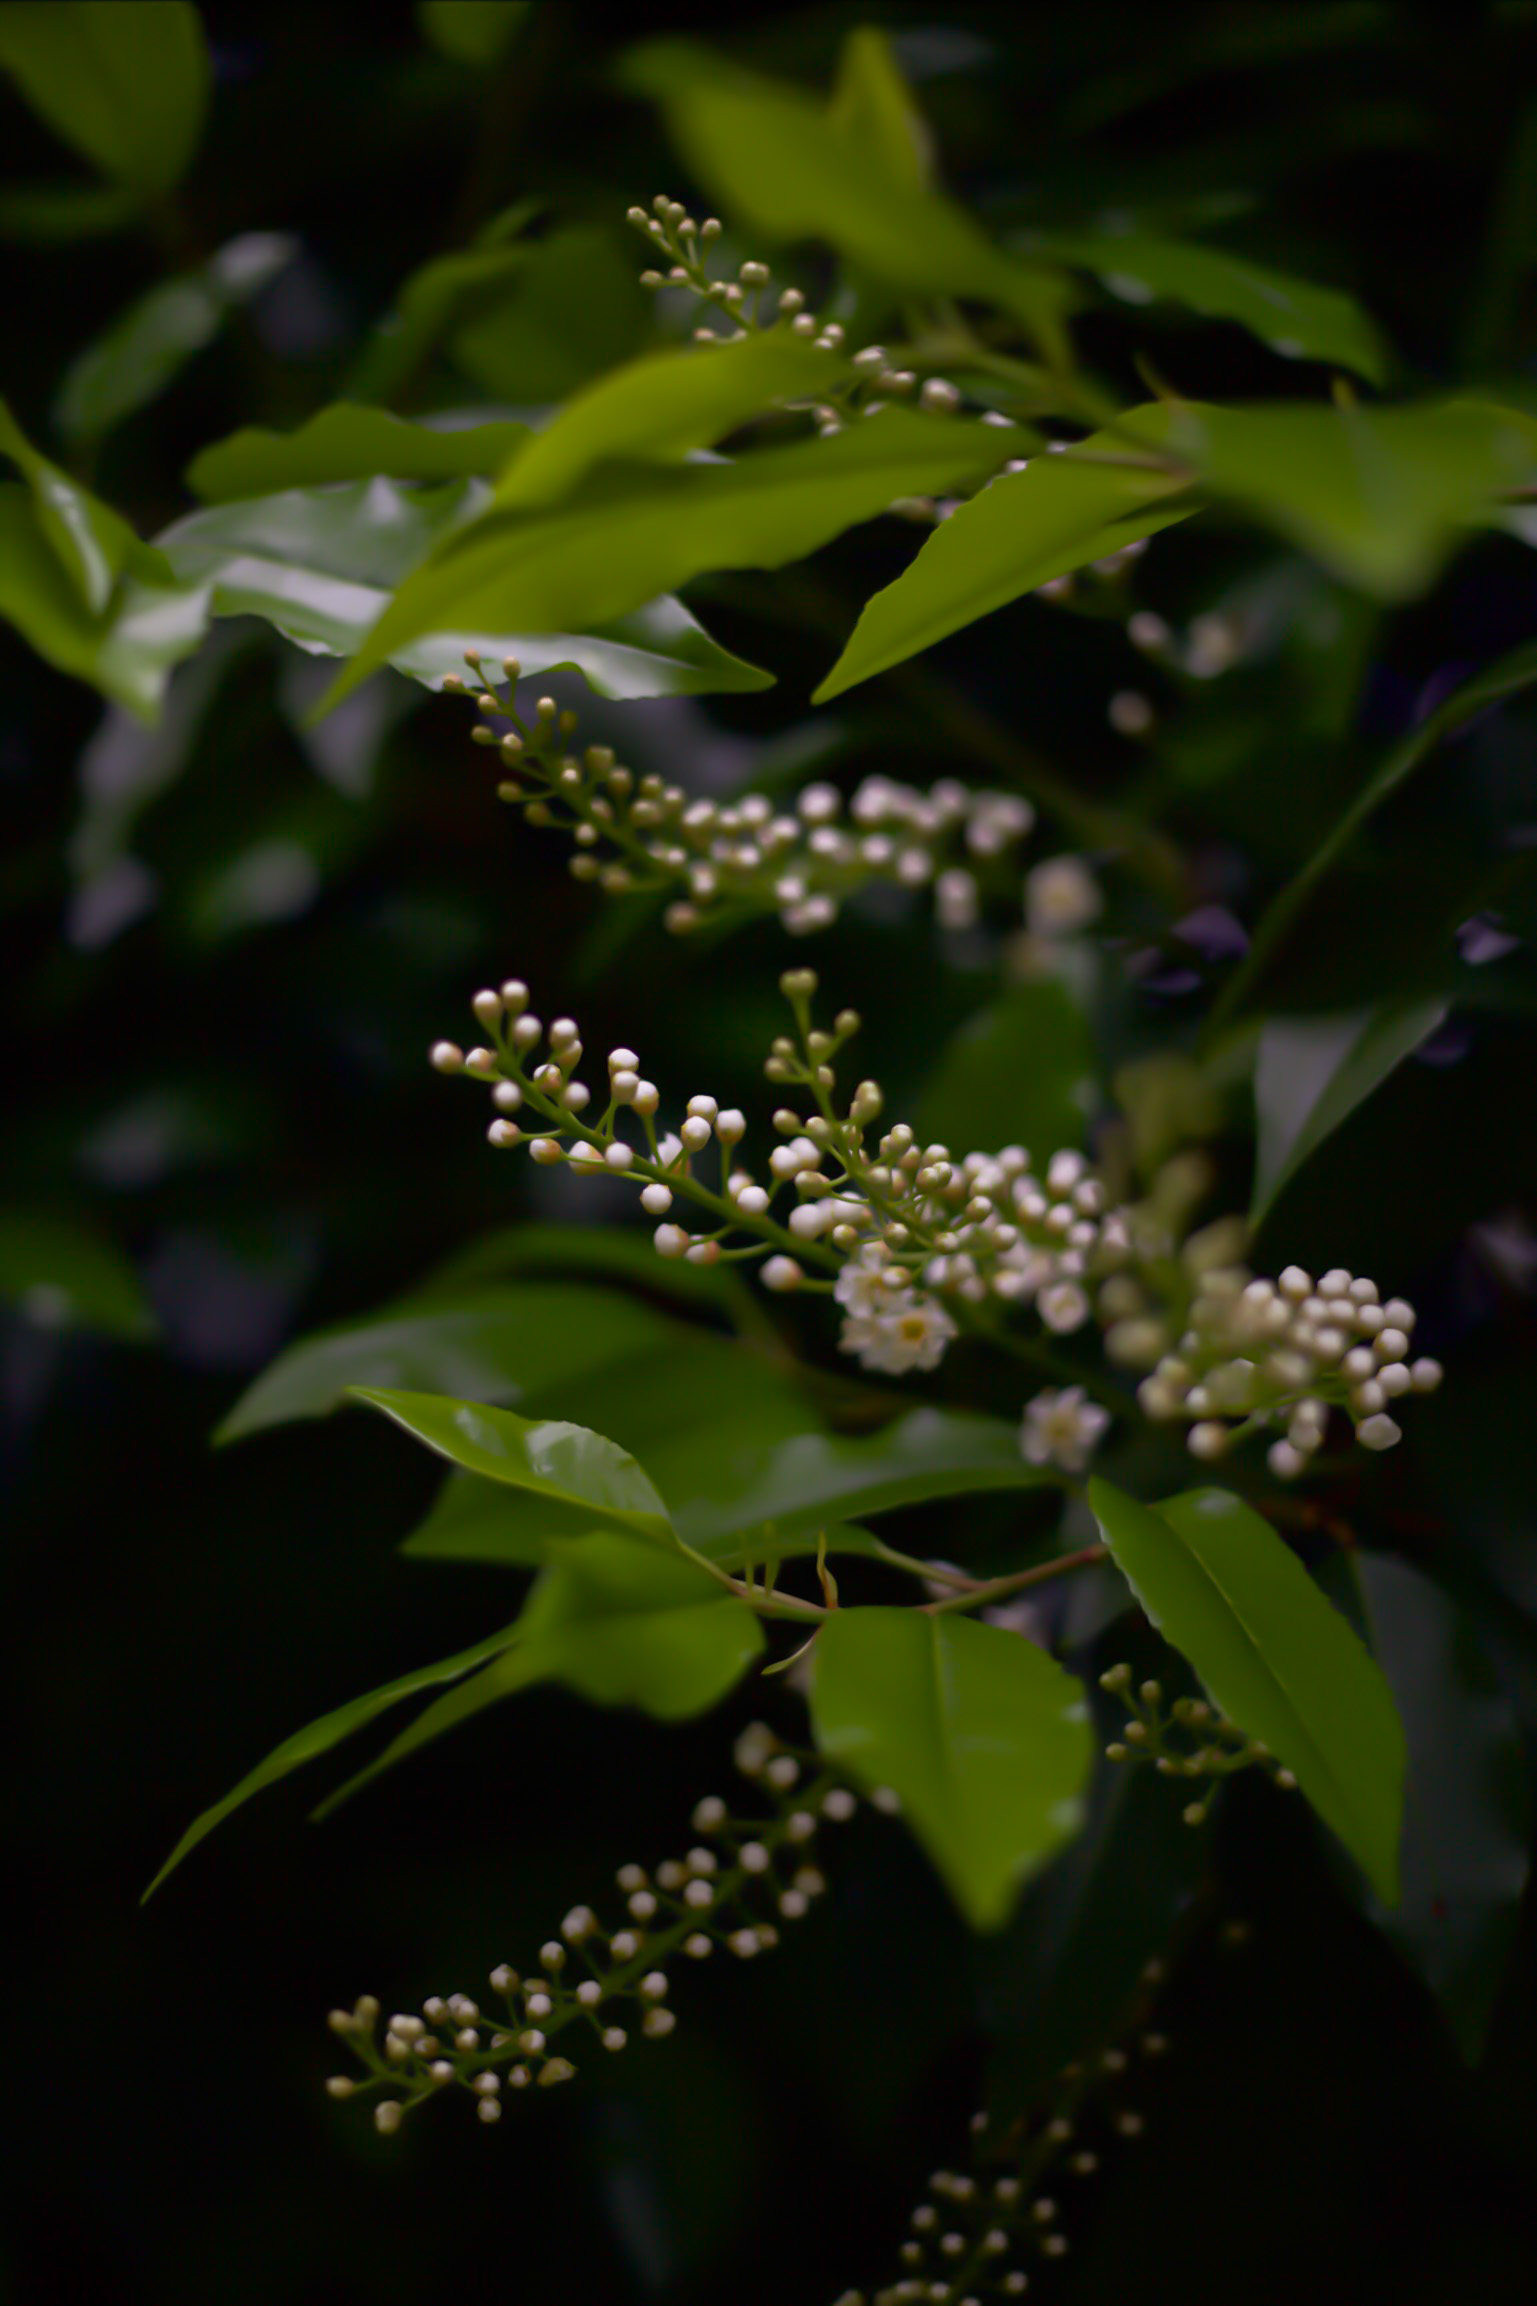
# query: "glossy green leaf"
64,1275
983,1738
1275,1656
470,31
786,168
496,1344
124,81
872,109
147,347
631,532
581,1480
818,1478
1020,1071
1378,495
569,307
1026,527
320,566
659,407
618,1623
127,651
1295,317
1312,1072
308,1744
93,543
348,442
1467,1809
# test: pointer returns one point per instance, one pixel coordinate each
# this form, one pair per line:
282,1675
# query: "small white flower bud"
589,1993
646,1097
1285,1461
702,1109
1391,1345
1367,1399
753,1858
544,1150
482,1063
447,1056
657,2024
507,1096
653,1985
618,1157
487,1006
624,1944
614,2037
1207,1440
622,1087
1296,1284
388,2116
730,1126
753,1201
1394,1378
1425,1375
504,1135
1378,1433
340,2086
622,1061
670,1241
656,1200
695,1133
782,1273
642,1905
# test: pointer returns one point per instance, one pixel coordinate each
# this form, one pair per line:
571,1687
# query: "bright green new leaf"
619,1624
124,81
348,442
1312,1072
661,406
631,532
872,109
492,1343
1019,1072
1026,527
1275,1656
308,1744
983,1738
581,1479
470,31
818,1478
1467,1810
1378,495
93,543
149,345
320,565
65,1275
1294,317
789,169
127,651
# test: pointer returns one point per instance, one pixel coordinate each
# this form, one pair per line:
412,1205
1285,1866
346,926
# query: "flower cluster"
730,1892
916,1244
1258,1353
1189,1739
801,861
975,2233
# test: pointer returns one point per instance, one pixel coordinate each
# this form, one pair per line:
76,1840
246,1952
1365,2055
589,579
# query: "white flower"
1062,1428
1061,895
1063,1307
862,1287
906,1332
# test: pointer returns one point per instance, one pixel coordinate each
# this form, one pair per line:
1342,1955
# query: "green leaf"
1059,1982
64,1275
1026,527
983,1738
56,215
1312,1072
320,565
470,31
631,532
659,407
1020,1071
786,168
581,1479
473,1520
308,1744
143,350
617,1623
494,1344
124,81
1294,317
1274,1655
1378,495
348,442
93,543
127,651
1467,1811
873,111
817,1478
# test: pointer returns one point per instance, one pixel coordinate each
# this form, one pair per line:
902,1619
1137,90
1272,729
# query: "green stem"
1000,1588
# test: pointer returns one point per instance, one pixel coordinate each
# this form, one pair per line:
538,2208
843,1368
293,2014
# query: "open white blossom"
902,1331
1062,1428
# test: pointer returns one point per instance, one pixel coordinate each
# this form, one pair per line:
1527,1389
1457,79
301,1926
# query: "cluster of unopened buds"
915,1244
1257,1353
729,1893
801,862
1187,1739
976,2232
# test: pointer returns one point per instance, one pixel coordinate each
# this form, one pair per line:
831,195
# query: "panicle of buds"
730,1892
800,859
914,1242
1186,1739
